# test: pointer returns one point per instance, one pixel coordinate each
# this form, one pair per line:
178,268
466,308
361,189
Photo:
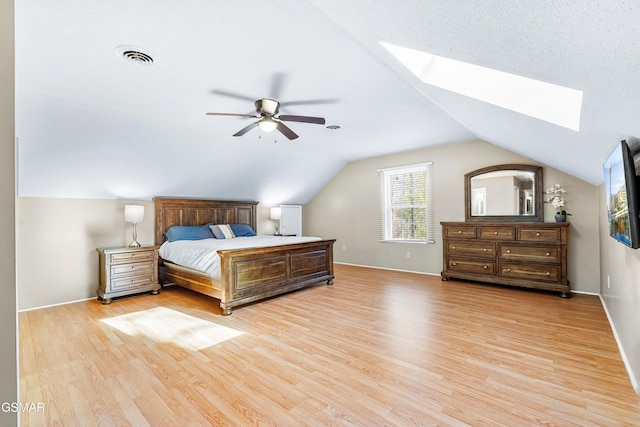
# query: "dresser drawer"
534,253
132,268
460,231
132,256
496,233
471,266
471,248
539,234
543,272
131,282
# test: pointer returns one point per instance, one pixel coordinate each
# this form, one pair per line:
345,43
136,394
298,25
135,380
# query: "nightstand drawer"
131,282
131,268
132,256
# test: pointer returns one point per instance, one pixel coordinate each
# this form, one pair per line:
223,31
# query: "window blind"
406,203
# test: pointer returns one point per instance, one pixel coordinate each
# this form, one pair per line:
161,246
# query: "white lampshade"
267,124
133,213
275,213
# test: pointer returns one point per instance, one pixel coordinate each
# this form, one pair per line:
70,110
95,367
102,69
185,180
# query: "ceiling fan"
269,121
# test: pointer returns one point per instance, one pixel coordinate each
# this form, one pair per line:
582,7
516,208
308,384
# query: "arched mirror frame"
538,190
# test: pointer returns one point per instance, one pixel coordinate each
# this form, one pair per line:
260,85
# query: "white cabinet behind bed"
291,220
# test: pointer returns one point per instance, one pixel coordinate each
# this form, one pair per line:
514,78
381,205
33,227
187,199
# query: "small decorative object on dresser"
126,271
528,255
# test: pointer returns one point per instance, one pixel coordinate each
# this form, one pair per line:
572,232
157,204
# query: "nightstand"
126,271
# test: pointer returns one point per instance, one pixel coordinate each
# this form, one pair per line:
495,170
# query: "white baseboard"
386,268
625,360
54,305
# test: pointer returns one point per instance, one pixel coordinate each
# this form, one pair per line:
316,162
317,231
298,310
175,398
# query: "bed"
246,274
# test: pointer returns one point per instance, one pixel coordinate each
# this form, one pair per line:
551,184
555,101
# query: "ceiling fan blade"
246,129
232,95
277,81
310,102
286,131
302,119
234,114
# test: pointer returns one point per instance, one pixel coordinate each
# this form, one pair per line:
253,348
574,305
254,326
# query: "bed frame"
247,275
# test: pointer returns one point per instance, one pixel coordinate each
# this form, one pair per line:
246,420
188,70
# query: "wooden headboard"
173,211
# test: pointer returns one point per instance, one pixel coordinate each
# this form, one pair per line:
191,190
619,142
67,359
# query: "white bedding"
202,254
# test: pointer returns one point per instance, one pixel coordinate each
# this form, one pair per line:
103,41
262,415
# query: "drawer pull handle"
485,249
507,270
495,233
133,267
133,281
548,254
537,234
459,231
508,251
485,267
454,263
453,247
548,274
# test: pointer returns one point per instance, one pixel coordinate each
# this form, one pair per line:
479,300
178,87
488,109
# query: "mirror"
504,193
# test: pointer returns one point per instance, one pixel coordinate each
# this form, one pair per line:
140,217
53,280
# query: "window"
406,204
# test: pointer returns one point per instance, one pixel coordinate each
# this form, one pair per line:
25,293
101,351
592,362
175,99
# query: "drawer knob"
454,263
508,251
133,281
459,231
485,267
507,270
548,254
537,234
453,247
485,249
133,267
548,274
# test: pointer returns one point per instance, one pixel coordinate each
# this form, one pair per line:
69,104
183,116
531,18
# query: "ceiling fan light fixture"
267,124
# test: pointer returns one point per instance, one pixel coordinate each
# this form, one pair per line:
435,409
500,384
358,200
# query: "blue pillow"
242,230
188,232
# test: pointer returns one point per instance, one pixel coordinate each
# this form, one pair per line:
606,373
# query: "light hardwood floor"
376,348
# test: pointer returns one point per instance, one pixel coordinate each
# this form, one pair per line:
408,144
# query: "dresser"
126,271
527,255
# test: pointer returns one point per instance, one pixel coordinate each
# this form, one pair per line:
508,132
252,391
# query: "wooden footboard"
258,273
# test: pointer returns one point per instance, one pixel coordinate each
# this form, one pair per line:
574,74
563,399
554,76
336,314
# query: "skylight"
545,101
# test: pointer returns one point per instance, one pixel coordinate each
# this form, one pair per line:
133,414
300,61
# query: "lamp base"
134,244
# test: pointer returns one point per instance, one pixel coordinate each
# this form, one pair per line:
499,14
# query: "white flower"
555,196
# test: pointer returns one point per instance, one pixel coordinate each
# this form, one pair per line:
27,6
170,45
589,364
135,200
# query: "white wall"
620,290
347,209
8,332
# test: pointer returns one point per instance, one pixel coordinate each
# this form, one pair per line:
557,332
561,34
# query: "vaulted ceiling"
91,125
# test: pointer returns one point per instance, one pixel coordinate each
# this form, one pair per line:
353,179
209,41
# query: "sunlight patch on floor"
165,325
545,101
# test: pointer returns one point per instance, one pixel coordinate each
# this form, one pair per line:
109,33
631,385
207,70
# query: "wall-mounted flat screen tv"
621,189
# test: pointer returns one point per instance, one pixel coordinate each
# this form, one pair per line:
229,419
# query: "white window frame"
386,226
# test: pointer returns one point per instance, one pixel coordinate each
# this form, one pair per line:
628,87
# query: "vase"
561,217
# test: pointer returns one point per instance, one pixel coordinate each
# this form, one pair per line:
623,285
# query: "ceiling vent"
135,55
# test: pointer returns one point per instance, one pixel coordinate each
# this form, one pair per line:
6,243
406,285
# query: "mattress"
202,255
